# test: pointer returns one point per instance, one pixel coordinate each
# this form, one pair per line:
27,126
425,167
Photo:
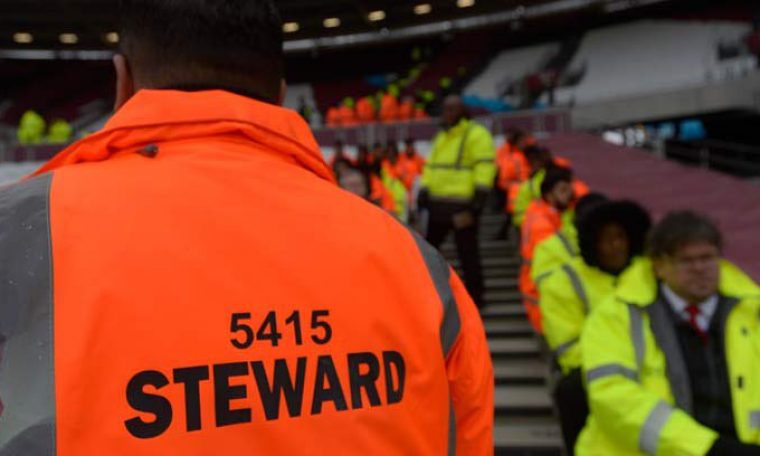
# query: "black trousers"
440,224
572,405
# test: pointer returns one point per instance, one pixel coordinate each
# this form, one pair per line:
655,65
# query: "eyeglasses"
687,262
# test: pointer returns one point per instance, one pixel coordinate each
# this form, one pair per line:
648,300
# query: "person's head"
454,110
586,204
362,152
378,151
515,137
409,146
611,234
201,44
686,248
557,188
392,151
338,148
538,157
353,180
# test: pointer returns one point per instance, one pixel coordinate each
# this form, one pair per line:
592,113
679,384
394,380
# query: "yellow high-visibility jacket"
568,295
462,160
638,395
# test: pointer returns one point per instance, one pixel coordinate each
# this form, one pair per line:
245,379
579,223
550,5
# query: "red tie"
693,311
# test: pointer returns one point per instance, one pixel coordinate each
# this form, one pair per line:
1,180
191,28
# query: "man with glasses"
672,362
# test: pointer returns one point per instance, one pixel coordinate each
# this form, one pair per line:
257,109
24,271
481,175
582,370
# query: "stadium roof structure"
76,25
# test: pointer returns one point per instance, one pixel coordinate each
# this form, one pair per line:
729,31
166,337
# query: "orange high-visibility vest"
389,108
190,280
347,116
409,168
406,110
333,117
541,222
365,111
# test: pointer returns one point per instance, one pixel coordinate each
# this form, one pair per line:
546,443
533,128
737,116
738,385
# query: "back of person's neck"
201,87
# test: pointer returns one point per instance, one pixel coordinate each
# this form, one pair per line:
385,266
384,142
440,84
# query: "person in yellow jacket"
456,182
31,128
672,361
612,236
563,246
60,132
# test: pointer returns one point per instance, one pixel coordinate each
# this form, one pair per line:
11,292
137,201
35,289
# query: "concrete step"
517,347
503,328
521,400
501,296
527,436
500,283
520,372
513,310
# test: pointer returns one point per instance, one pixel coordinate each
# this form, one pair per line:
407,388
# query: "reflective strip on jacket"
461,161
636,381
555,251
568,295
191,280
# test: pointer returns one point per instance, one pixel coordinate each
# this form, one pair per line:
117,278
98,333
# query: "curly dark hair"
631,216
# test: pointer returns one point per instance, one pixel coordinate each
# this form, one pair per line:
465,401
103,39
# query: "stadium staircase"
525,421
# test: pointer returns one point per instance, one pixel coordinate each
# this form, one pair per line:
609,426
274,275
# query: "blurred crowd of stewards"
34,130
385,107
381,174
654,338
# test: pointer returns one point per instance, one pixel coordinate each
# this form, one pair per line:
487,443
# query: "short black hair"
534,152
631,216
555,175
205,44
679,228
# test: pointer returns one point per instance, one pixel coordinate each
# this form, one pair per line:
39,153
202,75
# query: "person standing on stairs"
562,247
542,220
456,183
672,360
612,236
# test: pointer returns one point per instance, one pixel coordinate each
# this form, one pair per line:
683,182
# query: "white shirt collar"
707,307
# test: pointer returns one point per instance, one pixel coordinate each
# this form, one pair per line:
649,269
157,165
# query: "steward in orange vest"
190,280
542,220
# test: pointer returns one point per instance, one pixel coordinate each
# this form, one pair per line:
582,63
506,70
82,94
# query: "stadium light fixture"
331,22
23,38
376,16
68,38
112,37
423,8
465,3
291,27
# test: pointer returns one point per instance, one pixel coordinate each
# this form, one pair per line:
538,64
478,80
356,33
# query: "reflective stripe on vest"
463,145
440,274
636,326
754,419
542,277
26,320
649,435
609,370
564,348
566,243
451,325
577,286
637,335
